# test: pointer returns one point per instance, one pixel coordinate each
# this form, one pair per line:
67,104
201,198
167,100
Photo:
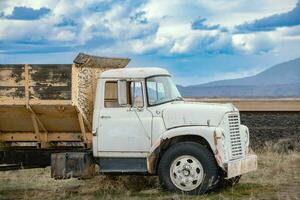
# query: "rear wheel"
187,167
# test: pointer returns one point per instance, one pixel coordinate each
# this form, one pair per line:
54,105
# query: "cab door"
124,129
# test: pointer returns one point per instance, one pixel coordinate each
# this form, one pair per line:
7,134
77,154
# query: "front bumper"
239,167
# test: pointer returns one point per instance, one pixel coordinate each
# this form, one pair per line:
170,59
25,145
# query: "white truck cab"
142,125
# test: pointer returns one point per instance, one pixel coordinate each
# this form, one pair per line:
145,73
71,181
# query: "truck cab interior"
134,94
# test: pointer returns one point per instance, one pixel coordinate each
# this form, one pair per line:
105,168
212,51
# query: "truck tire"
188,168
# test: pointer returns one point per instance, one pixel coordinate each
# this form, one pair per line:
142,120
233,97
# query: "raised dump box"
50,106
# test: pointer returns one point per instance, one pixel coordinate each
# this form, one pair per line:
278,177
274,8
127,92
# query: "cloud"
253,43
199,24
139,17
203,42
25,13
288,19
136,27
179,39
166,33
67,22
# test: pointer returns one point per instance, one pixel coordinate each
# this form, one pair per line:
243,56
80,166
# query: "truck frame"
125,120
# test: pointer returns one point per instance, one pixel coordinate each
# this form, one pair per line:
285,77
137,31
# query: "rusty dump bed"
50,106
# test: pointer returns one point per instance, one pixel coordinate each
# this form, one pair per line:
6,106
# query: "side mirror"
122,92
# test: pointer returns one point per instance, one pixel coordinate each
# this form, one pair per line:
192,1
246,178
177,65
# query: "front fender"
204,131
208,133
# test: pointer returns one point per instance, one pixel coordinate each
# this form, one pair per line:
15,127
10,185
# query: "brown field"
278,177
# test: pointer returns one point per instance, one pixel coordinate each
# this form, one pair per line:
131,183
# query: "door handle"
105,117
137,109
94,132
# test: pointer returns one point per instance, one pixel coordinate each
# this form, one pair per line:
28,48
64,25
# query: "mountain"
281,80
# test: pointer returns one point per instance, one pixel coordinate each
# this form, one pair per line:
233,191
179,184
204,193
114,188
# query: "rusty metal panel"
12,82
86,81
84,78
11,75
50,82
100,62
12,92
40,101
44,82
72,165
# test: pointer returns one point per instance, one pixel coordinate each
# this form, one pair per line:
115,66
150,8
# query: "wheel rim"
186,173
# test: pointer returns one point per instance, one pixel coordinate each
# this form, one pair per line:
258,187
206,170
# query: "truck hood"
194,114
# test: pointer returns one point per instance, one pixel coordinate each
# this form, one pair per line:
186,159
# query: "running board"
122,165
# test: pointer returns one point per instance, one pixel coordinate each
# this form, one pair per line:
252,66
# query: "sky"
198,41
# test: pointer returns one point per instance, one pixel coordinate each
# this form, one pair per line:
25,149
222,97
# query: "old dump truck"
124,120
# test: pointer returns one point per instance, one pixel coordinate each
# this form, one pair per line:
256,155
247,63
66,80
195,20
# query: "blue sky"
196,40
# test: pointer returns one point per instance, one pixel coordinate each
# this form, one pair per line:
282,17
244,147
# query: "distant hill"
281,80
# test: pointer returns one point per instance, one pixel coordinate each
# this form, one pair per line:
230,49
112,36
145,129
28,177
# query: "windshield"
161,89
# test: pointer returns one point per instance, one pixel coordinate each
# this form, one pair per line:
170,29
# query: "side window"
152,92
136,94
111,94
161,94
156,92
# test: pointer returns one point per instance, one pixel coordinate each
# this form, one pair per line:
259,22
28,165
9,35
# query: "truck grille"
235,136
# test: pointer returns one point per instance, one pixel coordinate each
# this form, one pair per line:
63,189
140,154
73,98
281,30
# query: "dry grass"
278,177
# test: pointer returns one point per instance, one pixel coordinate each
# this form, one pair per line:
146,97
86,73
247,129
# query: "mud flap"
72,164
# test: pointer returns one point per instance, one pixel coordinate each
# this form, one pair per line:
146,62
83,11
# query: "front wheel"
187,167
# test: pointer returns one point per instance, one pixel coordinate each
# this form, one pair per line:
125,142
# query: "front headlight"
224,146
223,141
245,136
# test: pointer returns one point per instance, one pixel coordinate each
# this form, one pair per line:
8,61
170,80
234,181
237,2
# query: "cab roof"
133,72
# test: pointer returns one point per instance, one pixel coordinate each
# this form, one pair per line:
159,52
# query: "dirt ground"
278,177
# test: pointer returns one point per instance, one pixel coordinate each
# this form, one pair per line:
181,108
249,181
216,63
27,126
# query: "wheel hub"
186,172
